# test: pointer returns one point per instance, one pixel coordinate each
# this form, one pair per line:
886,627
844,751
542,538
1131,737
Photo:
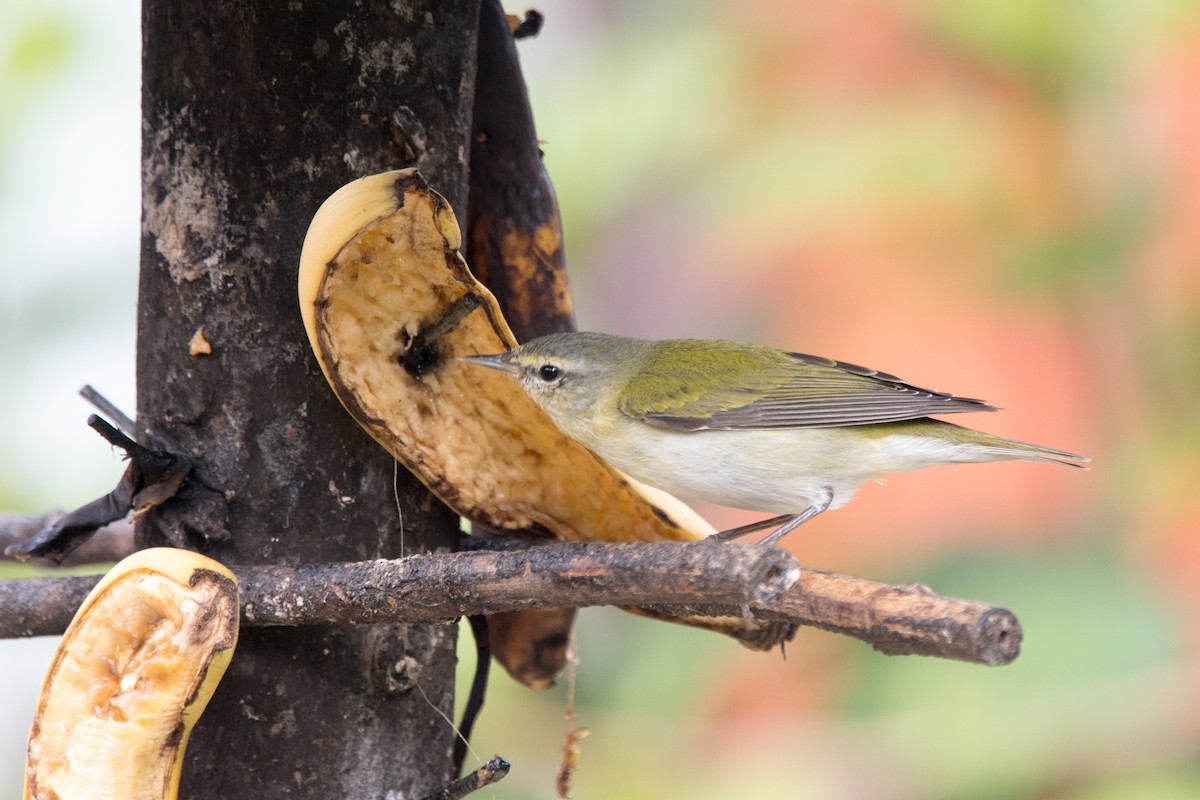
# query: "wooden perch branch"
905,620
715,579
901,620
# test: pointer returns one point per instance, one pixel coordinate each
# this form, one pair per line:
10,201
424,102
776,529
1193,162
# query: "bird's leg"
784,523
742,530
792,523
798,520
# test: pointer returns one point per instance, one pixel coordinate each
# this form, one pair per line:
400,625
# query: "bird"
745,425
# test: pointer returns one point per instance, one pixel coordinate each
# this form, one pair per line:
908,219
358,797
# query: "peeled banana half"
131,677
389,306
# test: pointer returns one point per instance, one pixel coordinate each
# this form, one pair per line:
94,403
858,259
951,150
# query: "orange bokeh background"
999,199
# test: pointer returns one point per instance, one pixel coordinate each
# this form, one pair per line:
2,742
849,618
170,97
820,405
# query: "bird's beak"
500,362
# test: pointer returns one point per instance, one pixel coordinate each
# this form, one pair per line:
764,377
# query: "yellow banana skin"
131,676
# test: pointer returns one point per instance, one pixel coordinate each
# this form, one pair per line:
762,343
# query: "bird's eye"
549,373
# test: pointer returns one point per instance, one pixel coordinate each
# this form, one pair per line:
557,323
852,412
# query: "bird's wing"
784,390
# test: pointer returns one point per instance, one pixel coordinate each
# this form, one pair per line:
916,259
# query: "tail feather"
988,447
1024,451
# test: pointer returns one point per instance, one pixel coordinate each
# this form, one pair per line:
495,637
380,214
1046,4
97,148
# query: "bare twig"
701,578
564,779
109,409
483,666
489,773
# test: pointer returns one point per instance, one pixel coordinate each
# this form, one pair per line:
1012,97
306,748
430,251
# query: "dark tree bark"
253,113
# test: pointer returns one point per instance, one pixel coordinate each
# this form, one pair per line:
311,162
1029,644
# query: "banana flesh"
131,677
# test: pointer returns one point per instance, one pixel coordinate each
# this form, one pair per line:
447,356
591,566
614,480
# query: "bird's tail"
986,447
1011,448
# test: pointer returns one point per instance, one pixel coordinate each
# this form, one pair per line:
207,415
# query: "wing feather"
774,389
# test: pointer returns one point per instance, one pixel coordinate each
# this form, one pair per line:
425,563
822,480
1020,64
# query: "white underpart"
777,471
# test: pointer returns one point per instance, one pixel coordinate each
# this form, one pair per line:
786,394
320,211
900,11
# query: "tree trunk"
253,113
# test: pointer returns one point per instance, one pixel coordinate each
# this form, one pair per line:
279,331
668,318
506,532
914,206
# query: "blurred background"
999,199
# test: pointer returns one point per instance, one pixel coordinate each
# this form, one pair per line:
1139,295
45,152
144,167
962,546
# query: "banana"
389,304
131,676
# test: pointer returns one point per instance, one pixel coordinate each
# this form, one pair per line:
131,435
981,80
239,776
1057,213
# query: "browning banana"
131,676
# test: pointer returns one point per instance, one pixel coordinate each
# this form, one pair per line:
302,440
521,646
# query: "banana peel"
390,306
131,676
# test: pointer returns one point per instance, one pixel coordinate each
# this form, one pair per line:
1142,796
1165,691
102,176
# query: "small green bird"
744,425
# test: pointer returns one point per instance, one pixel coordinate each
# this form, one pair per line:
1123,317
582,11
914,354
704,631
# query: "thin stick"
109,409
483,663
489,773
564,780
